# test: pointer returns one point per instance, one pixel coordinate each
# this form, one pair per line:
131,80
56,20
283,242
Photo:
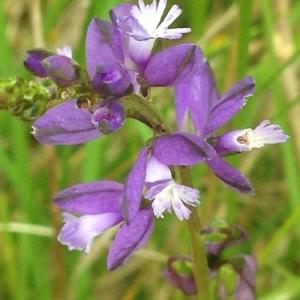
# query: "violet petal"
62,69
110,116
229,104
182,149
173,66
111,81
196,96
130,239
99,45
91,198
231,176
33,61
133,188
65,124
78,233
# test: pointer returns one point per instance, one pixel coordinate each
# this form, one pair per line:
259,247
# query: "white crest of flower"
65,50
263,134
174,196
149,17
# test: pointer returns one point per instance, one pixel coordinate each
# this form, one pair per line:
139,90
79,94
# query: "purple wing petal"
196,96
133,188
99,45
130,239
182,149
78,233
65,124
173,66
231,176
229,104
91,198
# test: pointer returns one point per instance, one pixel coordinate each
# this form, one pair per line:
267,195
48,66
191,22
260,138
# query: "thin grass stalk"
8,250
6,64
289,148
244,29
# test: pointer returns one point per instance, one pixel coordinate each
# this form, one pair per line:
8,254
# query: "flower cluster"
121,68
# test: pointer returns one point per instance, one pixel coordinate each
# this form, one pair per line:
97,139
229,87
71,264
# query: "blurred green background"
254,37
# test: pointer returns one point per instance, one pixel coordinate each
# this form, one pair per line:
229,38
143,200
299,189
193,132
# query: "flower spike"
141,26
246,139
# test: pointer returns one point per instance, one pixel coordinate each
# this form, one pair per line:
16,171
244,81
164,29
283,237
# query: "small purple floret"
33,61
111,81
99,205
62,69
109,117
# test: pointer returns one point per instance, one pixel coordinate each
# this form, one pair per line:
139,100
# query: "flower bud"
33,61
62,69
112,81
179,274
109,117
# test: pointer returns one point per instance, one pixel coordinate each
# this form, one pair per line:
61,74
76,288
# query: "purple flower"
60,67
98,203
108,69
108,116
33,61
105,204
198,100
113,74
67,124
141,25
246,139
163,191
112,68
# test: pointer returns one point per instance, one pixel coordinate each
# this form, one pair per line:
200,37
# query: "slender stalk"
199,260
151,117
8,251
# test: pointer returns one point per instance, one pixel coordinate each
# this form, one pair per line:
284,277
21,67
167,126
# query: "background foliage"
253,37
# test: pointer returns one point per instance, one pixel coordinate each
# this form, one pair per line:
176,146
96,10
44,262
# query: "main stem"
147,113
200,266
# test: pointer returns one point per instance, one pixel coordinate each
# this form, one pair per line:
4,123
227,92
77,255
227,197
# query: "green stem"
199,260
147,113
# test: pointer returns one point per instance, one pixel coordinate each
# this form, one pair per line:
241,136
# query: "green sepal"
143,110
